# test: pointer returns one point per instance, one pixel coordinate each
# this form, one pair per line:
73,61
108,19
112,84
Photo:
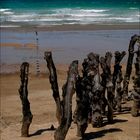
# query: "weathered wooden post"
133,40
68,91
82,106
117,79
117,67
107,83
64,107
23,91
95,95
136,92
89,95
54,84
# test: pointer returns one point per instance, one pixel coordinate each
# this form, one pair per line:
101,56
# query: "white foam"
133,8
69,10
89,15
124,19
68,16
23,17
8,13
51,19
4,26
49,25
3,10
95,10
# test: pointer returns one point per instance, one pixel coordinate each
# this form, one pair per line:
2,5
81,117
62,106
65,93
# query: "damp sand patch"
19,45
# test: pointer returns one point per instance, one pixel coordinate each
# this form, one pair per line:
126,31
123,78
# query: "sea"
16,13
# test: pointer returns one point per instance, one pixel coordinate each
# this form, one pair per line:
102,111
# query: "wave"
5,26
67,16
69,11
3,10
53,18
6,11
133,8
24,16
124,19
65,10
96,10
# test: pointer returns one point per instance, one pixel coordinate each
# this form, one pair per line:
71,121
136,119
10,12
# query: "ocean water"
58,12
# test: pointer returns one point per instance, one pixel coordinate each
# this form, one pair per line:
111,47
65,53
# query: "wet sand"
75,27
66,44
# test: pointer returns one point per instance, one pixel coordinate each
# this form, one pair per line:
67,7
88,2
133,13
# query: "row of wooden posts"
90,90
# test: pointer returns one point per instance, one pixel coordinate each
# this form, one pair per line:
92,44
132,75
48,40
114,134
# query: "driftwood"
68,91
23,91
88,96
82,106
117,67
95,95
107,84
54,84
64,107
129,65
117,78
136,92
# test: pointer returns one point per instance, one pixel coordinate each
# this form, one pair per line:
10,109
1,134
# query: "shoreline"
74,27
67,43
61,68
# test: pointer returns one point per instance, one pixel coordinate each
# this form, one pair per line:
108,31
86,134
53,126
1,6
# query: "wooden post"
133,40
64,107
23,91
54,84
68,91
117,79
136,92
107,82
88,95
117,67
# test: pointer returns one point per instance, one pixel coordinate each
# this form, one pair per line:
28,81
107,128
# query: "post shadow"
99,134
40,131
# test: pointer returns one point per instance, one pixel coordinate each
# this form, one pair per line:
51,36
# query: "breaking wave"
68,16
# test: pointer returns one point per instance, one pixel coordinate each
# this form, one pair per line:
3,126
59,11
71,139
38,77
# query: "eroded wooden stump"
107,84
68,91
23,91
126,80
64,107
117,79
54,84
136,91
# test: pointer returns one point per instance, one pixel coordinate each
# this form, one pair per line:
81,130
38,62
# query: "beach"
70,30
43,109
19,45
69,42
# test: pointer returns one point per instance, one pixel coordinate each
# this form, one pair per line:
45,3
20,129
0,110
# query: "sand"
13,52
74,27
43,108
